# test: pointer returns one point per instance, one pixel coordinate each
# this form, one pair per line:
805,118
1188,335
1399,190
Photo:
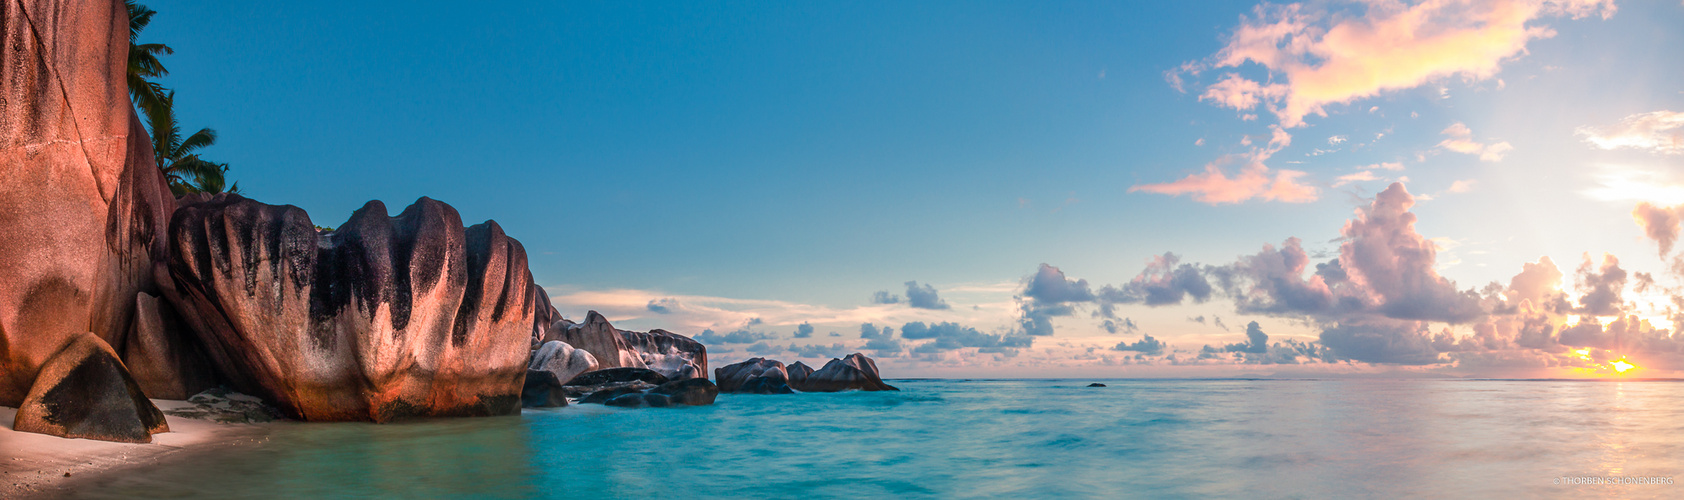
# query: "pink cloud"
1255,180
1656,131
1460,139
1325,58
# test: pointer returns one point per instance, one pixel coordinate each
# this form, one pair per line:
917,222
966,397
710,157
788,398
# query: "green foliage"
177,157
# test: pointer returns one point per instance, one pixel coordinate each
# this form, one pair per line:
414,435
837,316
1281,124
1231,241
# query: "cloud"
1340,54
1254,180
1242,94
1049,285
1460,139
1390,165
1146,345
1602,286
1165,281
1362,176
743,336
1124,325
764,349
1256,342
662,306
950,336
1659,223
1383,253
884,297
1655,131
923,297
1462,186
803,331
870,331
818,351
1381,341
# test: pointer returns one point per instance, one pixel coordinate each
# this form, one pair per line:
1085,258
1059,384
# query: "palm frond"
203,138
139,17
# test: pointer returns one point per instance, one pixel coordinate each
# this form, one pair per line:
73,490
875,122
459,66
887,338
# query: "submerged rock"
853,372
381,319
753,376
611,375
84,392
219,404
640,400
607,392
1096,384
691,391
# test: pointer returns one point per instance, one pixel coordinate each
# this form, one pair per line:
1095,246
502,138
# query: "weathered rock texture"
552,365
84,392
162,354
798,374
83,206
855,372
676,356
754,376
383,318
599,338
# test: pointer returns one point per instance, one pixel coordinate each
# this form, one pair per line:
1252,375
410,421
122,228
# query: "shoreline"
39,465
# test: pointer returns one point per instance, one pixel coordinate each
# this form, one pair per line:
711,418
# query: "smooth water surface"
1014,438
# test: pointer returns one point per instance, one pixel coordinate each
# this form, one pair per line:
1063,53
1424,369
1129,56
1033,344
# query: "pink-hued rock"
853,372
84,392
380,319
83,207
599,338
162,355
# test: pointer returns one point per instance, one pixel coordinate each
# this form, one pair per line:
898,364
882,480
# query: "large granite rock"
798,374
676,356
690,391
162,355
84,392
83,206
599,338
754,376
612,375
853,372
383,318
552,365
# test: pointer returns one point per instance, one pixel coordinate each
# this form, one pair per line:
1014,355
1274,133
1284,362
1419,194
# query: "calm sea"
987,438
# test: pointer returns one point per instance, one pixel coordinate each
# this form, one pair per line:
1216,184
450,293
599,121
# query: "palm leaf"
203,138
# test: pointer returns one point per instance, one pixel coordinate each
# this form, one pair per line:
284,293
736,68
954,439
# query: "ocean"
992,439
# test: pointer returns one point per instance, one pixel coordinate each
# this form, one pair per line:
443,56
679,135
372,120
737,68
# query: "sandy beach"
37,464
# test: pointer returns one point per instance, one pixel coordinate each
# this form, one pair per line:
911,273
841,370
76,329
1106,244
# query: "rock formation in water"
552,365
672,355
798,374
675,356
83,206
854,372
597,337
382,318
84,392
754,376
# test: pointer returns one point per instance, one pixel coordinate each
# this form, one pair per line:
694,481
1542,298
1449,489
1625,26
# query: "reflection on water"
1232,438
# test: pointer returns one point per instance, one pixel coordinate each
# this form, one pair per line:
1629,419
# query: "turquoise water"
1017,438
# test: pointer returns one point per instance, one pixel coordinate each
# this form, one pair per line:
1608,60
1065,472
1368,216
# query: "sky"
1011,189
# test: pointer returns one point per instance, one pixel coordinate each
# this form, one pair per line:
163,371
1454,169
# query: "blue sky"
786,162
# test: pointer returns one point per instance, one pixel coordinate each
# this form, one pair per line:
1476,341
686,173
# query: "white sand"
35,463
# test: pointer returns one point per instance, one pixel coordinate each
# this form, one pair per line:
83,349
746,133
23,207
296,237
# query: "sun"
1621,365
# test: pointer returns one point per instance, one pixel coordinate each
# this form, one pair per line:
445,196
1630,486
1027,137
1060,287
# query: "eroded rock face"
855,372
798,374
82,207
84,392
161,354
753,376
599,338
690,391
611,375
553,364
676,356
383,318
